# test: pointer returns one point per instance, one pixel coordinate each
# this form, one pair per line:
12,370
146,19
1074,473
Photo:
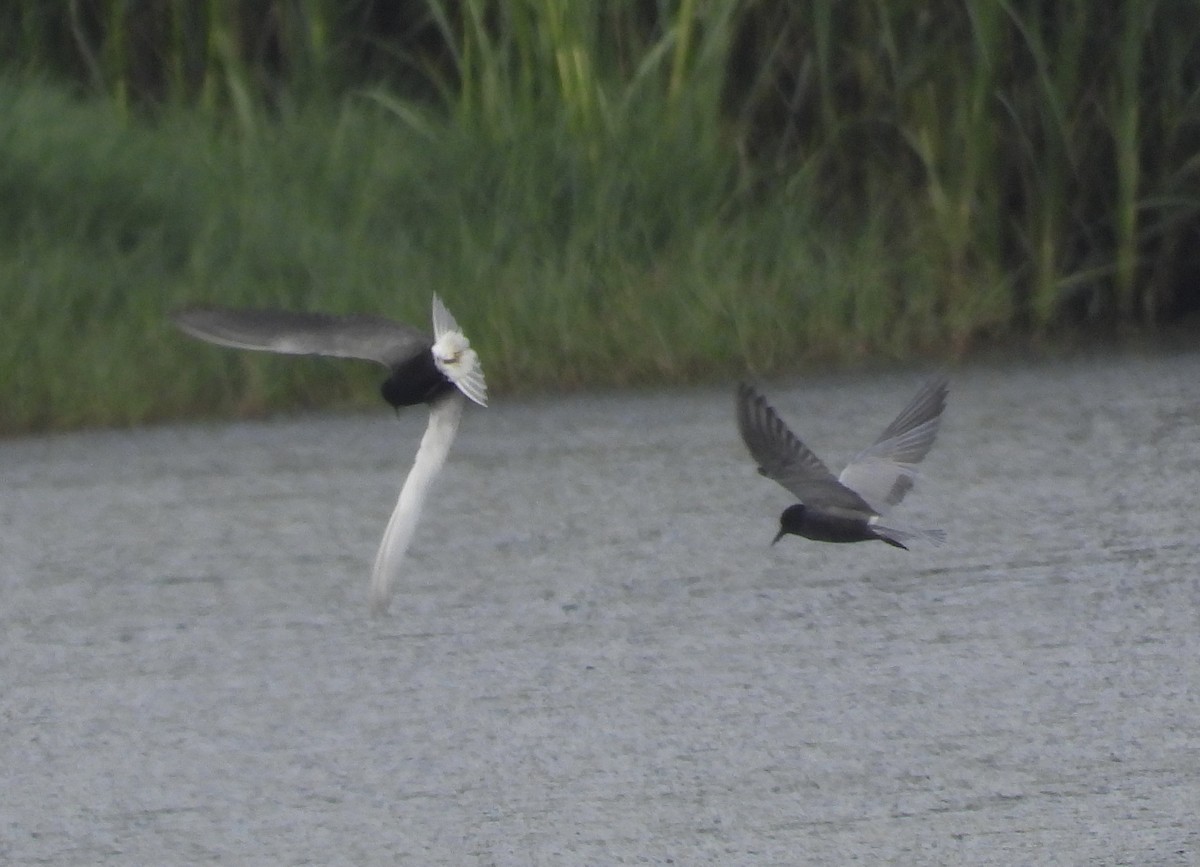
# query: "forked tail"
900,537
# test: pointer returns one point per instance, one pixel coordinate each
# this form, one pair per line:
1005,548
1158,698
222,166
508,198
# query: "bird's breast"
825,527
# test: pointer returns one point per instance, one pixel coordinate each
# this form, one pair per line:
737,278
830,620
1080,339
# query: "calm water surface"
595,657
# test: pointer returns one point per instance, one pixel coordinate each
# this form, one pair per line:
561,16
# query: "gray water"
595,657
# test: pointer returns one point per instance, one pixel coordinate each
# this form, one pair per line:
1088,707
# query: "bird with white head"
440,372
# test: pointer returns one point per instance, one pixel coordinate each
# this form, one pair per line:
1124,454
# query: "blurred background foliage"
605,192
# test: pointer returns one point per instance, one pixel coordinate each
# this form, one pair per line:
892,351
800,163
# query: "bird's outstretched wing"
886,470
454,356
371,338
782,457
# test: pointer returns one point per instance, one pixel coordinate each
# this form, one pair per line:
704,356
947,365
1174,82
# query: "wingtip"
474,386
745,396
443,319
939,384
194,320
180,315
379,605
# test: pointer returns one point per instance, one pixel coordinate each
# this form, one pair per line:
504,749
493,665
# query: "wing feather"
783,457
372,338
886,470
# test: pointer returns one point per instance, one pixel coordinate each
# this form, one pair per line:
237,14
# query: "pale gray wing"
887,469
782,457
372,338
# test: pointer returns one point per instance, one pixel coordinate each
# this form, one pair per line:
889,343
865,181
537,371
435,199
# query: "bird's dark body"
414,376
844,508
416,380
825,527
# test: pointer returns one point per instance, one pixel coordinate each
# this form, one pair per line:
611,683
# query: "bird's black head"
790,521
416,380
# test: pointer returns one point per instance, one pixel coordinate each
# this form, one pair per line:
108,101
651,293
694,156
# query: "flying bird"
441,372
852,506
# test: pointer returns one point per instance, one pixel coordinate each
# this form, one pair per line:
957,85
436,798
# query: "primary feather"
371,338
410,355
886,470
781,456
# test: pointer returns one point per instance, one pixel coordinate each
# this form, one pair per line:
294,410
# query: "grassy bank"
565,270
604,194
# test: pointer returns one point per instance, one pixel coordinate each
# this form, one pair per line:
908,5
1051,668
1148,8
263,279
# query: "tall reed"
640,190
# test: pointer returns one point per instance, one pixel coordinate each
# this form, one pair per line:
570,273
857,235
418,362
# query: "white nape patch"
454,357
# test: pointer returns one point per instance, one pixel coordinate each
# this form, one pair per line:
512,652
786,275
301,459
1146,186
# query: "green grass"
565,270
604,194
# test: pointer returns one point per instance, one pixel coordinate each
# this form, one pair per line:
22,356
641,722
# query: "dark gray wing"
782,457
886,470
372,338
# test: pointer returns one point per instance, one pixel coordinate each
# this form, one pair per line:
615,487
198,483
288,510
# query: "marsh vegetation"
611,193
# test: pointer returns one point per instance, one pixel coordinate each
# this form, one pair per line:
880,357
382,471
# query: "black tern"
848,508
438,371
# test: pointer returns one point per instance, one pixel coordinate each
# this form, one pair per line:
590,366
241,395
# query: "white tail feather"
444,416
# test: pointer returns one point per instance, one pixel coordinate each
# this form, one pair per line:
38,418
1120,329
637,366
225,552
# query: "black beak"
779,535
